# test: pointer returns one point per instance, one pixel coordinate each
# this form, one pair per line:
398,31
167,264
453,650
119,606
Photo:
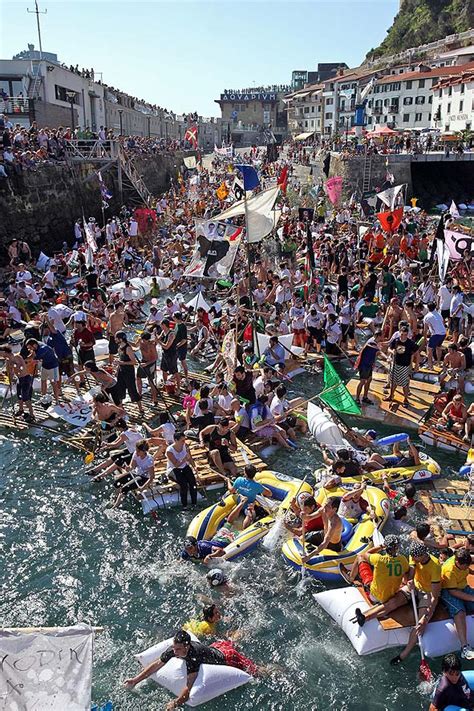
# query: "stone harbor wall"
432,178
41,206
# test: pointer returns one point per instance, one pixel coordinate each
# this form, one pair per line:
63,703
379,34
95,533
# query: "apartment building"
453,101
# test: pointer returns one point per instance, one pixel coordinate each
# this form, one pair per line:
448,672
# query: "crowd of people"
372,299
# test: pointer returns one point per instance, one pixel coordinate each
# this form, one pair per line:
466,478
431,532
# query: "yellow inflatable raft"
426,470
356,537
207,523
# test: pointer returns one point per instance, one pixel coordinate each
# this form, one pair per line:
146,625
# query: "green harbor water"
66,557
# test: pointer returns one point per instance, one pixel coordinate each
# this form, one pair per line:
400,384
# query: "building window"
463,86
418,117
61,94
312,109
328,116
408,100
421,84
440,93
429,117
448,109
420,100
461,106
406,118
430,99
409,84
329,102
450,91
446,126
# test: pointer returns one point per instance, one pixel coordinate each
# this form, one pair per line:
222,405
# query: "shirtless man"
18,368
454,364
147,368
116,322
330,537
392,318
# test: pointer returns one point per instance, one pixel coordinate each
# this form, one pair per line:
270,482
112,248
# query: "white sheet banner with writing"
77,413
46,670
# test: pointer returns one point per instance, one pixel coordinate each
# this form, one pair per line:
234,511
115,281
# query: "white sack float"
323,429
163,282
440,637
141,286
212,681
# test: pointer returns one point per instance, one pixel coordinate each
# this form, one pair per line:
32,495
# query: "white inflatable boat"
440,637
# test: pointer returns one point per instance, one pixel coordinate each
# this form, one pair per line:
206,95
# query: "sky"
181,55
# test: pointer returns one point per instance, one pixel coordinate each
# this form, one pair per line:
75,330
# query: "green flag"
335,393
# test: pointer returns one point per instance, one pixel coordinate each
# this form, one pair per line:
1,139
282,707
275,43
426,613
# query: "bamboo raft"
420,399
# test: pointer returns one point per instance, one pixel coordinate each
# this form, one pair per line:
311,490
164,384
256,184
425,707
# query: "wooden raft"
445,499
420,400
443,439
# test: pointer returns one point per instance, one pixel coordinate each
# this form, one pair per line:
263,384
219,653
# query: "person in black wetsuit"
126,381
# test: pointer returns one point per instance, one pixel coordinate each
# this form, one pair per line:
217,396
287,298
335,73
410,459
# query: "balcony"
393,109
377,111
13,106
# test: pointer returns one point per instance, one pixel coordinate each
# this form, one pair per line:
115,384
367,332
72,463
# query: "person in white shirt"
28,293
314,324
456,308
434,328
444,297
23,274
297,315
133,228
260,294
55,319
333,335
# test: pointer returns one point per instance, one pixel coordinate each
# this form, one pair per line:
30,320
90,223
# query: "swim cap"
301,498
216,577
371,433
417,550
391,543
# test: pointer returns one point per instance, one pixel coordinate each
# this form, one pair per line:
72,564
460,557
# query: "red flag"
248,333
191,135
283,179
390,220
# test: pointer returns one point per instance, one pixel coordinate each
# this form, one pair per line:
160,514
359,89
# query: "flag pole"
247,247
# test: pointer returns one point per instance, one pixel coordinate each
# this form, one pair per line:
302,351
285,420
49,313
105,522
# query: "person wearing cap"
382,571
425,578
216,578
457,596
194,654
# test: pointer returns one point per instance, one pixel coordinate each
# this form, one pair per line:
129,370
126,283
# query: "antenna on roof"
37,12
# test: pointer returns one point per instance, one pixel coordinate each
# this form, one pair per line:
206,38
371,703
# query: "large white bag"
212,680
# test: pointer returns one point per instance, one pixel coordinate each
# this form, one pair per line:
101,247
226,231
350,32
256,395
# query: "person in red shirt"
305,505
84,340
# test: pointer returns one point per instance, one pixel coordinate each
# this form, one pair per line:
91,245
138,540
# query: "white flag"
443,255
453,210
389,196
260,214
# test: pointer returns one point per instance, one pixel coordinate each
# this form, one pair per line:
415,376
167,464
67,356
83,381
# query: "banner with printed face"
217,244
46,670
457,243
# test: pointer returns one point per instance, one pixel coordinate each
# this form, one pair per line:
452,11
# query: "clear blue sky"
183,54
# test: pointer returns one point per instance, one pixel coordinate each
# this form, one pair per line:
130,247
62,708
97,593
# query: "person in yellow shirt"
207,627
388,568
458,596
425,576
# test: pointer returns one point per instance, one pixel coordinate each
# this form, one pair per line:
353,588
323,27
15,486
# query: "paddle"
424,671
276,530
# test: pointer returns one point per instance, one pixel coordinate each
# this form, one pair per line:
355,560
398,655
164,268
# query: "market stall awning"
303,136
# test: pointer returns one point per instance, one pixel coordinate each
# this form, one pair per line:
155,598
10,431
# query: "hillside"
422,21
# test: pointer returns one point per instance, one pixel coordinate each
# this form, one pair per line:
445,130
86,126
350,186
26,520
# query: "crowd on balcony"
25,148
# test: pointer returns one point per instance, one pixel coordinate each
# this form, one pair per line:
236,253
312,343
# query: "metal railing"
15,105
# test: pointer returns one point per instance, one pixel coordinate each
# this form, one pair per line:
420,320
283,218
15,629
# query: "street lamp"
120,112
71,95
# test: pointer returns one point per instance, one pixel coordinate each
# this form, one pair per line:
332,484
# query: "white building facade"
453,102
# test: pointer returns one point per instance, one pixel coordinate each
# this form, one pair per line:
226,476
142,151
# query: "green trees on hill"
422,21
